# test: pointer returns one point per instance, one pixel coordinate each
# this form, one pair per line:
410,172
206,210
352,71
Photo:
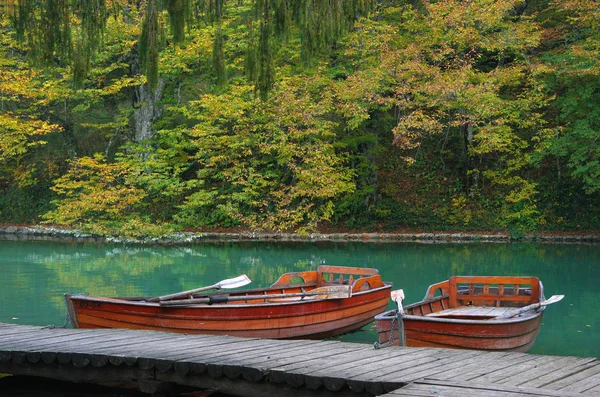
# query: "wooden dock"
155,361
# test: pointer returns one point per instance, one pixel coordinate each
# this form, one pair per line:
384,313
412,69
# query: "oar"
330,292
534,306
236,282
398,297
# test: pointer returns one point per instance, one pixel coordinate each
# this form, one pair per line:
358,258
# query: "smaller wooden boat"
469,312
313,304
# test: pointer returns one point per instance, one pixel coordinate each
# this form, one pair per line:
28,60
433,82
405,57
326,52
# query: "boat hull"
517,334
297,319
492,313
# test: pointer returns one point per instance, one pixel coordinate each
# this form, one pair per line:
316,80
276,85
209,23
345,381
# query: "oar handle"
326,292
183,293
534,306
236,282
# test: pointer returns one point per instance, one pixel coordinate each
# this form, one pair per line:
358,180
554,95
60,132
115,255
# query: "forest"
142,118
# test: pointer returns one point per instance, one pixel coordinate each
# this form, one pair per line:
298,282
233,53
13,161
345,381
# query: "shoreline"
44,233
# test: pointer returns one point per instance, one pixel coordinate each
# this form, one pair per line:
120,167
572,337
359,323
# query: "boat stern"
71,312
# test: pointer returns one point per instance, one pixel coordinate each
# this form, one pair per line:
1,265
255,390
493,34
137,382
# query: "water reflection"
36,274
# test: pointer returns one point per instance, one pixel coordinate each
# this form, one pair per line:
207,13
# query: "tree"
458,74
265,165
573,72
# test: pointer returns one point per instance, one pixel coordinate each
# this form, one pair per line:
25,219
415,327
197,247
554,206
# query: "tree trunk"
474,179
147,110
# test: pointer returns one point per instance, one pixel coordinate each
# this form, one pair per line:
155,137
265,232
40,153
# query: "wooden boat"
481,313
313,304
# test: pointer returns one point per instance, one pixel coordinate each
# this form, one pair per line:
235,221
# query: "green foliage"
441,88
149,44
269,167
24,204
573,73
279,115
103,199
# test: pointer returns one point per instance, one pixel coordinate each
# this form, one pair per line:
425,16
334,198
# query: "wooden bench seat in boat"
474,312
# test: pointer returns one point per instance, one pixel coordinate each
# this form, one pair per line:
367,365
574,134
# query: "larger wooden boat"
314,304
481,313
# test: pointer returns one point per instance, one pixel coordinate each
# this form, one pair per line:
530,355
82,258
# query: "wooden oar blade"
398,296
236,282
552,299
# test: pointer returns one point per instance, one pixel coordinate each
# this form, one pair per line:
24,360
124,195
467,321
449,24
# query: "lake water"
35,275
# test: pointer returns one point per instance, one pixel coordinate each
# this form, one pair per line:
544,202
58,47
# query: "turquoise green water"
34,276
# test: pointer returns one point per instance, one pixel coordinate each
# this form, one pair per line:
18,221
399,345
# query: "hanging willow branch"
148,44
69,32
88,36
46,27
178,15
265,55
219,56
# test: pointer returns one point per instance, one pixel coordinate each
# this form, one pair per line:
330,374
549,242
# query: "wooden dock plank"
595,390
515,369
476,371
205,354
383,377
251,365
122,351
85,342
550,378
340,375
313,374
48,341
553,368
164,357
261,353
217,359
318,366
350,375
429,388
432,356
15,336
580,382
265,367
291,370
475,364
434,368
584,385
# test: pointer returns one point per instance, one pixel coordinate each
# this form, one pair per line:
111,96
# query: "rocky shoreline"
59,234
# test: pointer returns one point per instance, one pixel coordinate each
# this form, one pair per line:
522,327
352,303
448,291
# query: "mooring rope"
395,322
66,323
